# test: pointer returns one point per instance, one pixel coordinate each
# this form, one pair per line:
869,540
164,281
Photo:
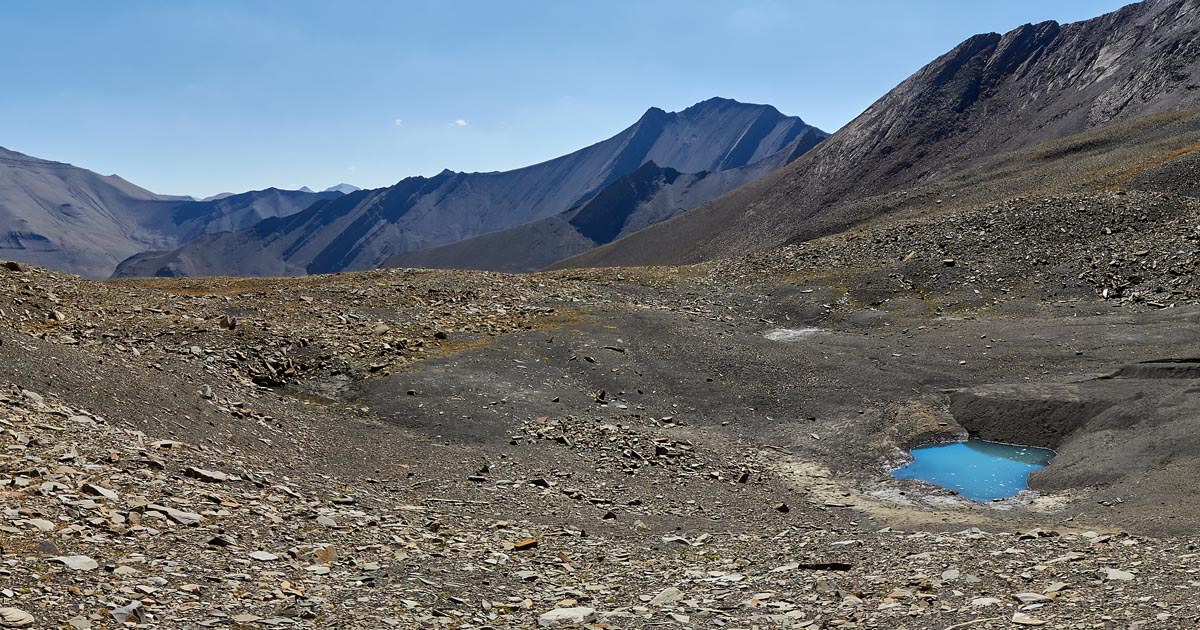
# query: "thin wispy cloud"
399,122
460,123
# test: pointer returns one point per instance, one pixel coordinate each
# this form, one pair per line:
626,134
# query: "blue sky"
186,97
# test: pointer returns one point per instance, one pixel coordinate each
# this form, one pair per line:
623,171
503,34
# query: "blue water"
978,470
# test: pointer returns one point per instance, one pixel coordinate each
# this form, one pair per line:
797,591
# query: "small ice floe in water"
791,334
978,470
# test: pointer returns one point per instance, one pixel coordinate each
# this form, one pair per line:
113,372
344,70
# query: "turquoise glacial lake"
977,469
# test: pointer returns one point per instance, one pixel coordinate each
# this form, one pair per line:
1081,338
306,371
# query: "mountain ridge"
991,93
361,231
61,216
647,196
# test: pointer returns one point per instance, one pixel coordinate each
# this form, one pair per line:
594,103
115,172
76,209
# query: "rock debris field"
465,450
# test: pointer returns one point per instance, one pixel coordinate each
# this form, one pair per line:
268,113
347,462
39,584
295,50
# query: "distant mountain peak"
718,103
343,188
305,189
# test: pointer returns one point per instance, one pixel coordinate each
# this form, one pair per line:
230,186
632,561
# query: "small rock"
528,543
211,476
15,617
77,563
13,266
326,554
667,596
1022,619
42,524
1031,598
178,516
1117,575
99,491
133,611
560,616
263,556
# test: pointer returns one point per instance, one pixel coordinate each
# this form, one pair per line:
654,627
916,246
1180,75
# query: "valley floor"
625,449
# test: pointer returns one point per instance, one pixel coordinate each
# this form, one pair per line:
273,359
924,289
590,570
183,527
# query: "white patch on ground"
791,334
946,500
890,494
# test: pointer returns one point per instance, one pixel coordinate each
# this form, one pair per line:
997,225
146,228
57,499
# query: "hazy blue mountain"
343,188
187,220
60,216
363,229
647,196
64,217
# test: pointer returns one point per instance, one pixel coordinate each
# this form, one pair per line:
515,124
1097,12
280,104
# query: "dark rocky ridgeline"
191,219
363,229
647,196
990,95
